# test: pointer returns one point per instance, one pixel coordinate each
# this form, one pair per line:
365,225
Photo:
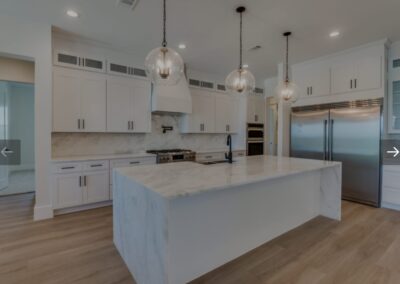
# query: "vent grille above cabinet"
92,63
396,63
69,59
207,85
259,91
126,70
221,87
194,82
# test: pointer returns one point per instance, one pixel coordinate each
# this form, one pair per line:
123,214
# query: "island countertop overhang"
188,178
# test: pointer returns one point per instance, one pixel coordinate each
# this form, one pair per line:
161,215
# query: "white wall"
32,41
17,70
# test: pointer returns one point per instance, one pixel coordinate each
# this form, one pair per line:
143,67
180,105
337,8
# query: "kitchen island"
175,222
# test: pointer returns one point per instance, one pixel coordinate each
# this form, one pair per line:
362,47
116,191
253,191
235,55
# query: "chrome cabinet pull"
80,181
67,168
84,180
355,83
325,138
134,163
79,123
351,84
96,166
133,125
83,124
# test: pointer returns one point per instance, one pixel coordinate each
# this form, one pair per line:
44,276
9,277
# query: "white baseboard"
390,206
43,212
82,207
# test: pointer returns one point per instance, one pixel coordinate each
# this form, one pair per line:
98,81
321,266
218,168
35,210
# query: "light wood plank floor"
78,248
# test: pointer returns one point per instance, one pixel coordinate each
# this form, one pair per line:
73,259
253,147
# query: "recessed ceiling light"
245,65
72,13
334,34
182,46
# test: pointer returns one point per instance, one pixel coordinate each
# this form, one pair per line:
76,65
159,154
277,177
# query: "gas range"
173,155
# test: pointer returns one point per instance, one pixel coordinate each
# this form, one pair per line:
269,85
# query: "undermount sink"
214,162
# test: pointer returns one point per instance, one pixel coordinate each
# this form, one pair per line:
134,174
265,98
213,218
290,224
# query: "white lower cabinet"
391,187
76,184
97,187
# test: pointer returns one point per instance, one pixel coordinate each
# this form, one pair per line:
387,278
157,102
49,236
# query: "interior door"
309,131
93,102
119,104
66,100
355,141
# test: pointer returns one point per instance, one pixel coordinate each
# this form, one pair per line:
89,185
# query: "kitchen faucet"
229,155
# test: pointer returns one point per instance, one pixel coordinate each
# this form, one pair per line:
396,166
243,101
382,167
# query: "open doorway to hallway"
17,123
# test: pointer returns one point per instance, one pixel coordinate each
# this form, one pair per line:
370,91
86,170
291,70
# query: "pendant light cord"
164,43
287,59
241,42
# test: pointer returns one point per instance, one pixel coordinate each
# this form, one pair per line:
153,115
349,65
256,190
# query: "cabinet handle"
355,83
129,125
256,118
96,166
134,163
83,124
67,168
133,125
311,91
208,157
79,124
84,180
351,84
80,181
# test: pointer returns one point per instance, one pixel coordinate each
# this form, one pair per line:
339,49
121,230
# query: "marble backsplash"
72,144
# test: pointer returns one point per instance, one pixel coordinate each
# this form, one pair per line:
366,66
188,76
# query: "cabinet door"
202,118
260,107
97,186
368,72
119,104
342,75
319,79
251,109
225,113
66,100
300,76
67,191
141,109
93,102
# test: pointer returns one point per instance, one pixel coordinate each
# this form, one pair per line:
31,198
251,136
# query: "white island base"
176,222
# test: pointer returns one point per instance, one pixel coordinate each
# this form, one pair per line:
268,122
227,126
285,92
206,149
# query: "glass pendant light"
240,81
164,65
287,91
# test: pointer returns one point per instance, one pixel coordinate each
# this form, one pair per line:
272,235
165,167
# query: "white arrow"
5,151
395,152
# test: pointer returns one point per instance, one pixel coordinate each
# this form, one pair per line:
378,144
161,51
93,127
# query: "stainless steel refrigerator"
345,132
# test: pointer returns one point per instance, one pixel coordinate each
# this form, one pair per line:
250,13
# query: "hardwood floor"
78,248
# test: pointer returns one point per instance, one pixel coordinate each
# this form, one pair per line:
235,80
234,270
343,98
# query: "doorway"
17,123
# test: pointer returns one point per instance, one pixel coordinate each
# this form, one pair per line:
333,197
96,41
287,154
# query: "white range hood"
175,99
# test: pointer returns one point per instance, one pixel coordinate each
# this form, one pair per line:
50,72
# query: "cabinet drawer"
96,165
210,156
120,163
239,154
65,168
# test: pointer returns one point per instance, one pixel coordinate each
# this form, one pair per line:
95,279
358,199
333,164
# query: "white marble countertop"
188,178
100,157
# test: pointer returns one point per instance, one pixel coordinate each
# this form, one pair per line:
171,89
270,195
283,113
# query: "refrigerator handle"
325,139
331,141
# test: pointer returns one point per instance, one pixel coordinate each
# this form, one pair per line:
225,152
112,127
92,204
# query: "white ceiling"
209,28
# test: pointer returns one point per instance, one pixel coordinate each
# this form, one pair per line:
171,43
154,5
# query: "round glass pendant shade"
240,81
164,66
287,92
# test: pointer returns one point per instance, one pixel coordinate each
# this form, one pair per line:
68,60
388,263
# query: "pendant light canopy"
240,80
164,65
287,91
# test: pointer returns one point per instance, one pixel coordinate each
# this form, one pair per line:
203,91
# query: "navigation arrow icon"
6,151
395,152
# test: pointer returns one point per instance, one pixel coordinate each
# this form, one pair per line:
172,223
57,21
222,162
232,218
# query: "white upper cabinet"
128,105
357,71
202,118
79,101
256,106
313,79
226,113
